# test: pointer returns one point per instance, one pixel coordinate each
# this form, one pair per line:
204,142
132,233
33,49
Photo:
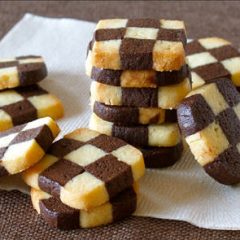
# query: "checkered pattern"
163,135
166,97
21,71
212,58
85,169
139,44
135,78
59,215
25,104
210,120
24,145
135,115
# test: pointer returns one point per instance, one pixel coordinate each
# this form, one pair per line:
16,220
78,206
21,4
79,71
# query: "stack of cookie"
86,179
139,77
21,99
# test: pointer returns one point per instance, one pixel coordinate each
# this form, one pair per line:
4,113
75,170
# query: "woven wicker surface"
18,219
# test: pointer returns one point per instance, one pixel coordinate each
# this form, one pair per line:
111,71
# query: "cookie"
133,115
164,135
61,216
212,58
85,169
24,145
160,157
21,71
166,97
139,44
24,104
135,78
209,120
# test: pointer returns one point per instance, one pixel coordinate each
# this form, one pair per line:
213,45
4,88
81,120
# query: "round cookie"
135,115
209,118
163,135
61,216
160,157
21,71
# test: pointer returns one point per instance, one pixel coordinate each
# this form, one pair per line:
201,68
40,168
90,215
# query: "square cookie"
24,145
135,78
139,44
85,169
21,71
61,216
165,97
24,104
212,58
209,118
130,116
162,135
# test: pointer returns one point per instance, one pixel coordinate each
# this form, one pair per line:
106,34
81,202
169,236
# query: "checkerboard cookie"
164,135
160,157
135,78
139,44
24,104
134,115
24,145
21,71
209,120
61,216
166,97
85,169
212,58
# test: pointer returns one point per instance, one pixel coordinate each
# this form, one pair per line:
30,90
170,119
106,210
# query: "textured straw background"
220,18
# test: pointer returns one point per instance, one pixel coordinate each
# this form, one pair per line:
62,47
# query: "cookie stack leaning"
139,77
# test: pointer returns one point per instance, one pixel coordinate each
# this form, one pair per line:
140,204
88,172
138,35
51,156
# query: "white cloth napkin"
182,192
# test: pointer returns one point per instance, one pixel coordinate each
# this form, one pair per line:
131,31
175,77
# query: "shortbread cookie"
212,58
133,115
164,135
61,216
85,169
135,78
139,44
24,145
21,71
209,120
25,104
160,157
166,97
